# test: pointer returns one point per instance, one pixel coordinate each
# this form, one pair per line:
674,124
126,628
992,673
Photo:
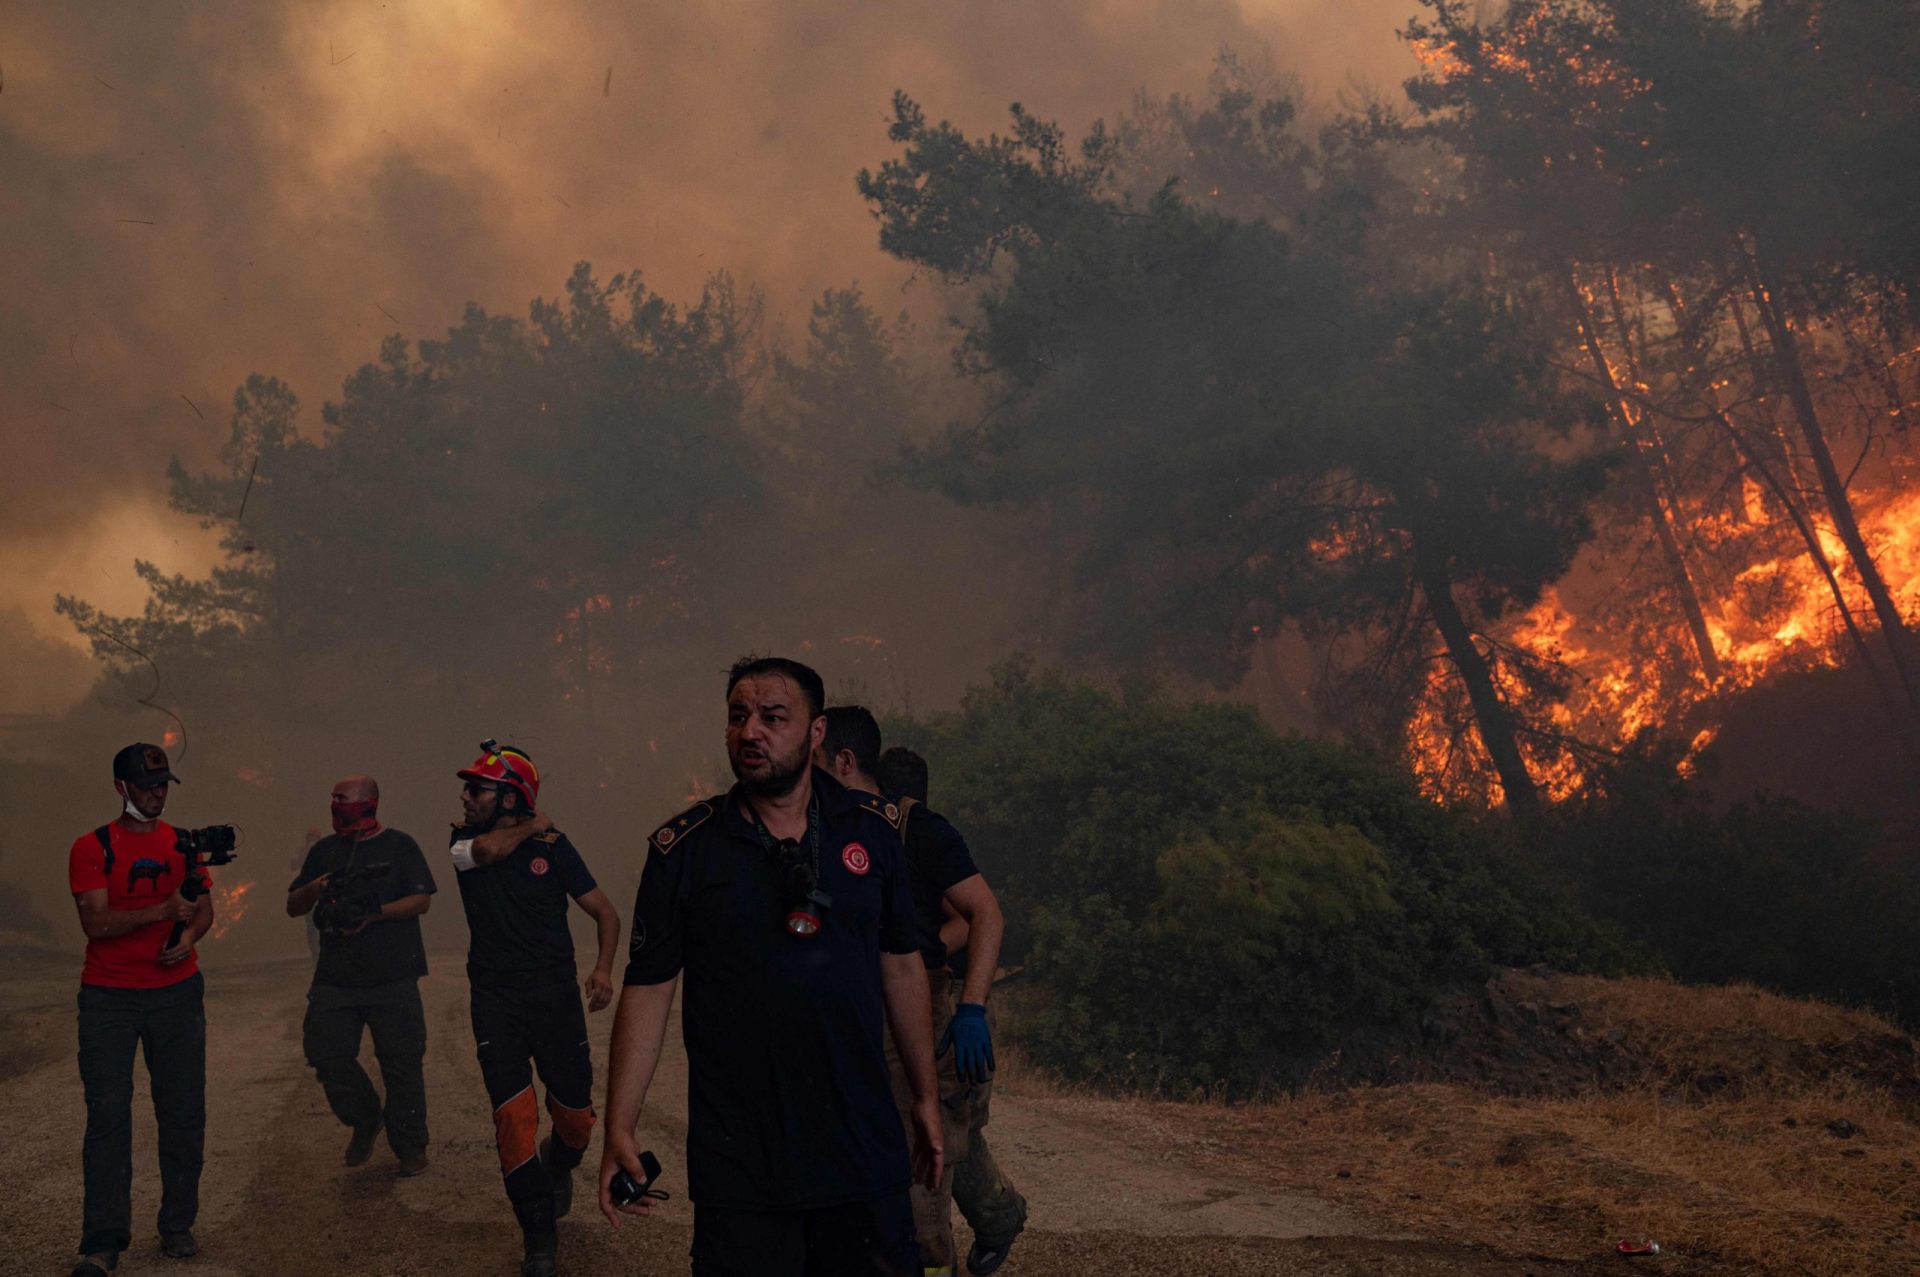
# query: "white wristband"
462,852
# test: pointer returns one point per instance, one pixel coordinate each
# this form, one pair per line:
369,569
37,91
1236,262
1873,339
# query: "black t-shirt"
517,910
788,1101
937,858
385,951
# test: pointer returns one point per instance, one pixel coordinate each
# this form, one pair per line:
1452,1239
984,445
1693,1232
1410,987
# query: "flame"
169,738
231,900
1775,616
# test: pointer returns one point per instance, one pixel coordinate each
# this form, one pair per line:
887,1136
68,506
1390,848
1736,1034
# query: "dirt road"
1107,1196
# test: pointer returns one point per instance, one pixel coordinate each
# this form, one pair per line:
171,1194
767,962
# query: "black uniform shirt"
937,859
385,951
517,910
788,1100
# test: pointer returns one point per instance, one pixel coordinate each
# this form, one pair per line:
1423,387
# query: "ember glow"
231,900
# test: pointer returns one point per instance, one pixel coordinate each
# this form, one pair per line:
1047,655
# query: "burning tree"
1704,187
1239,423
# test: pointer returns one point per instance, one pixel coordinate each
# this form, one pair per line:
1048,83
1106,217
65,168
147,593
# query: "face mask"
133,812
354,817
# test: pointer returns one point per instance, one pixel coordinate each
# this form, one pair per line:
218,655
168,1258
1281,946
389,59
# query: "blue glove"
972,1044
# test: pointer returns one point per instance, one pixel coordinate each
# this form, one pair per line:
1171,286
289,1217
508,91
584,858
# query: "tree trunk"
1893,626
1756,369
1490,713
1648,487
1660,461
1790,503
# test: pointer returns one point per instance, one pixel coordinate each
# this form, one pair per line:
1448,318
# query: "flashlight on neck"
805,915
807,905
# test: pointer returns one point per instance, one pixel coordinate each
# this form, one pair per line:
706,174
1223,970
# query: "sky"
196,192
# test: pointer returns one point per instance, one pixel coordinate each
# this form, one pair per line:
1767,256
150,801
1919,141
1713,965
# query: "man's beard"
781,778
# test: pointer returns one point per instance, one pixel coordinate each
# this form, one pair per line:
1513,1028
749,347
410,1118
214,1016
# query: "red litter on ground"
1638,1248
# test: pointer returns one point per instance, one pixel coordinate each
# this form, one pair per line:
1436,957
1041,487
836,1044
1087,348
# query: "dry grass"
1724,1181
1748,1179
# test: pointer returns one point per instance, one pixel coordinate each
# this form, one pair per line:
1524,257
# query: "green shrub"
1771,890
1205,903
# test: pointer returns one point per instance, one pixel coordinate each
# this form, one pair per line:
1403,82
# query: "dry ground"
1439,1180
1746,1132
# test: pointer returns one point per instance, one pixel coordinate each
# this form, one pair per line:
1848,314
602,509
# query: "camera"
211,845
350,899
214,842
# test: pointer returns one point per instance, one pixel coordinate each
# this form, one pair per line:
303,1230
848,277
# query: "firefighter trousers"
515,1031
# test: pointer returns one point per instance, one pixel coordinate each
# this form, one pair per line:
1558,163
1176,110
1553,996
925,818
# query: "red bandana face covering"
355,817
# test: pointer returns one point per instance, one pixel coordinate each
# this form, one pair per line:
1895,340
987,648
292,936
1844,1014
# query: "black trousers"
331,1038
861,1239
516,1030
170,1026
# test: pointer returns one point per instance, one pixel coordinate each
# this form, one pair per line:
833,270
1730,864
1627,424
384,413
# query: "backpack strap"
105,835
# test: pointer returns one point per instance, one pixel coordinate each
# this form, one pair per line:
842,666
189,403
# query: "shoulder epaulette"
899,818
551,837
680,826
879,807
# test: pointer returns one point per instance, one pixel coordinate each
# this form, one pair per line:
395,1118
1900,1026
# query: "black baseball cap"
143,765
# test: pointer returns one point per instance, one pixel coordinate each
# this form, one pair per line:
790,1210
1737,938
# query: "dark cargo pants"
170,1027
331,1038
516,1030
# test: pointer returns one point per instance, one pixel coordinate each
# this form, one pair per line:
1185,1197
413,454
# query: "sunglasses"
475,788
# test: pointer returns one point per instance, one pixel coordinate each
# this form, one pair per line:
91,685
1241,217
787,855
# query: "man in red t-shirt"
137,991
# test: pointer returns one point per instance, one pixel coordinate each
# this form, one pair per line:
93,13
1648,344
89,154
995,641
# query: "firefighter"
988,1201
516,873
945,882
784,905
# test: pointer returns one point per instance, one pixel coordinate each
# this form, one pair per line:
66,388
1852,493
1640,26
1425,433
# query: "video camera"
350,898
215,842
211,846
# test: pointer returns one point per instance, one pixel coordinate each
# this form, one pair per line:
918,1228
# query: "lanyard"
772,847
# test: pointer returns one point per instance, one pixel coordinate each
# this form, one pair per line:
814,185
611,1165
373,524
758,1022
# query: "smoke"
196,193
40,675
199,192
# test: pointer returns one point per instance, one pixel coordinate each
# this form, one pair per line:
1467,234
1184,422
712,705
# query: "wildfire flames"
231,900
1774,616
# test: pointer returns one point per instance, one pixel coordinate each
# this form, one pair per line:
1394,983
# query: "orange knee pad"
574,1127
516,1125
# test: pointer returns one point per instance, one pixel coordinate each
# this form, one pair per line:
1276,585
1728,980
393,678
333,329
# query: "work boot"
97,1264
179,1245
413,1164
562,1180
360,1147
543,1251
986,1257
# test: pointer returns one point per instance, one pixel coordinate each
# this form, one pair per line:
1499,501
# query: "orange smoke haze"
199,192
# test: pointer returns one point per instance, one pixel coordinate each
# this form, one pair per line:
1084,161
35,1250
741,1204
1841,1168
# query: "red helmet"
504,765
